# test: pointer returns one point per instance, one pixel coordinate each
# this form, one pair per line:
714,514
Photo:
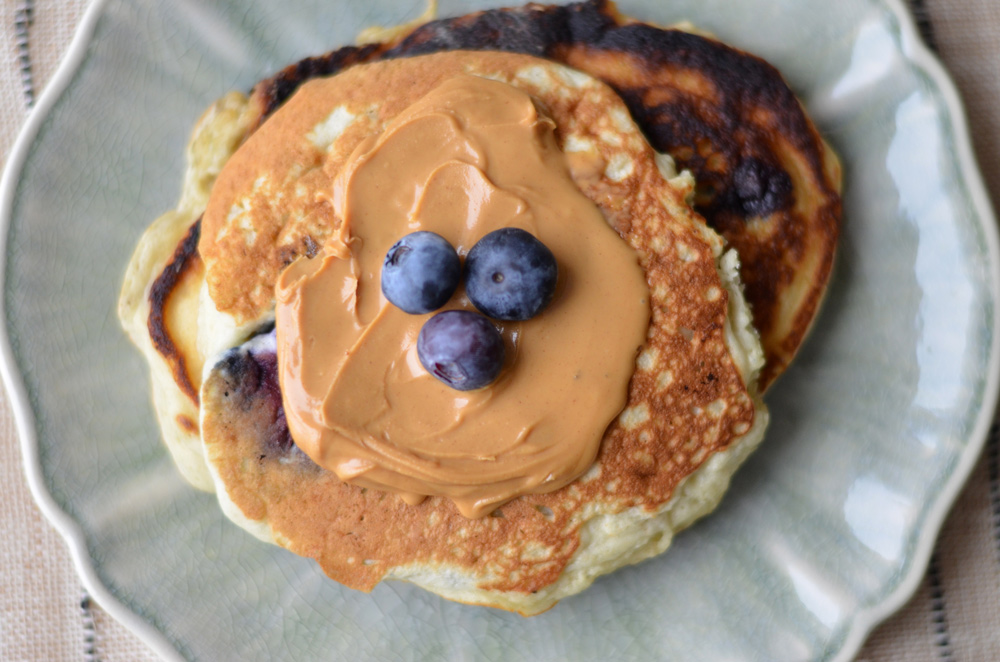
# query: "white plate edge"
919,54
913,48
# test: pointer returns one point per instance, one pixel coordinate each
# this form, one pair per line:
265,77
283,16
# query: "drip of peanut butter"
471,156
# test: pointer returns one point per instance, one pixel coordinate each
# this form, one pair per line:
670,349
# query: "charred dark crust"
532,29
744,82
752,185
684,126
159,294
274,91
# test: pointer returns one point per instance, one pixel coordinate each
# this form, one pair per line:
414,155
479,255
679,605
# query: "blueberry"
510,275
461,348
420,272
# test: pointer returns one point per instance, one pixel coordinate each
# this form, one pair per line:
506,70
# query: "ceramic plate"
826,530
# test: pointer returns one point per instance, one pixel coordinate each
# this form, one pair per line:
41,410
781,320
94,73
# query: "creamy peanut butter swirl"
471,156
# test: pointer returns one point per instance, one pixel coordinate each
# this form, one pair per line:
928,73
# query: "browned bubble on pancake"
183,264
766,181
686,400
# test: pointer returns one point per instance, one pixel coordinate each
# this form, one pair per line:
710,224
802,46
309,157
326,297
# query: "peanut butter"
472,156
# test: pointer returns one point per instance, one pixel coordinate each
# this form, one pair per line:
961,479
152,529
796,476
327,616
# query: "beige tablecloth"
955,615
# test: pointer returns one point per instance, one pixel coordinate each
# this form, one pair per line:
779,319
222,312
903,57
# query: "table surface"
45,614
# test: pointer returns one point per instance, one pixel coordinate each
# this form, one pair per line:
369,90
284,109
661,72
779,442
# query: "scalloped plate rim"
24,417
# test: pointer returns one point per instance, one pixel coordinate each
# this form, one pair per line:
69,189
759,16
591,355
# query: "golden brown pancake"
692,396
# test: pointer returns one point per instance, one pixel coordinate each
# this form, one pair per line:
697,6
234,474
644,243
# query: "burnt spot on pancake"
531,30
714,109
182,260
275,90
725,115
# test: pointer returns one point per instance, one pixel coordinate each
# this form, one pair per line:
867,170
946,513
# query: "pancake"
767,181
692,412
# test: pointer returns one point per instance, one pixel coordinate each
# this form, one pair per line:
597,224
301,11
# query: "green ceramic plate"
826,530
